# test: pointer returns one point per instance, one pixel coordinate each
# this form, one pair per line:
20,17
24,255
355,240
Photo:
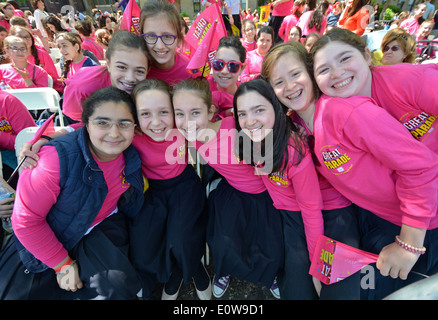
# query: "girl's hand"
6,206
395,261
31,155
70,280
22,72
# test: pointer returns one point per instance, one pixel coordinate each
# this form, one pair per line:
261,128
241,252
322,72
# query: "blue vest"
83,191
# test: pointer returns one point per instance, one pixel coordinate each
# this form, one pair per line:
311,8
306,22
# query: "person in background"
355,16
280,10
412,24
398,46
86,30
291,20
39,14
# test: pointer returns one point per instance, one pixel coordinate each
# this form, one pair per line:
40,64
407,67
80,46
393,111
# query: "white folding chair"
40,98
55,54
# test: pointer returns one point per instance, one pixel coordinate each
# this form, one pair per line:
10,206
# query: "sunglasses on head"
233,66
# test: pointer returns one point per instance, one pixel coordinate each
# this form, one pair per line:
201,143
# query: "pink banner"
198,31
334,261
46,128
131,18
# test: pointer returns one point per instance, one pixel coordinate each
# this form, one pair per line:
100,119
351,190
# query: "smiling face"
18,51
163,54
192,115
155,113
108,144
255,114
69,50
127,67
342,71
292,83
225,80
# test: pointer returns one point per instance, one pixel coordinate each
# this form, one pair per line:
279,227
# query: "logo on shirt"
419,126
5,126
279,178
336,159
125,183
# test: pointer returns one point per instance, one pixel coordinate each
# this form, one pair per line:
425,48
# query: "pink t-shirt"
331,198
373,161
283,9
162,160
410,25
303,23
297,189
47,64
221,99
253,67
288,22
173,75
14,117
219,154
90,44
37,192
75,67
409,93
80,86
249,46
11,76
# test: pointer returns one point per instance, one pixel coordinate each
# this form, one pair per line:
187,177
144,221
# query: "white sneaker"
220,285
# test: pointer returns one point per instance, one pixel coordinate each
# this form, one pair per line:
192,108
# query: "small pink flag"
131,18
334,261
46,128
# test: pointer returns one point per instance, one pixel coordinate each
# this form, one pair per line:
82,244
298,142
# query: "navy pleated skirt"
104,268
244,235
170,229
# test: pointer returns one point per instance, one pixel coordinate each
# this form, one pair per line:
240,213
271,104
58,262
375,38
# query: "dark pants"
237,23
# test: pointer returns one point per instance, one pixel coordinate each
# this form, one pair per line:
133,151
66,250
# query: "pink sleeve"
415,165
18,118
245,76
306,186
37,192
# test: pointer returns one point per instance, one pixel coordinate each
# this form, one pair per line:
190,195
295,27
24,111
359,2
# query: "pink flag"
199,64
131,18
198,31
45,129
334,261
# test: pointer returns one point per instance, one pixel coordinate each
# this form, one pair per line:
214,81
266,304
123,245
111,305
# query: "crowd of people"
298,131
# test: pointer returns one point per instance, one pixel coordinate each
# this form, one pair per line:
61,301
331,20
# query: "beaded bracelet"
408,247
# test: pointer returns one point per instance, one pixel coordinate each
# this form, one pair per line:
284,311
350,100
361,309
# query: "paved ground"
238,290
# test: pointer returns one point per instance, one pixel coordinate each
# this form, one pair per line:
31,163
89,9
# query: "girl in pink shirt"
291,20
280,9
86,31
290,177
127,64
397,195
80,235
314,20
71,48
411,25
39,56
21,74
249,30
281,70
168,236
254,59
227,67
244,229
161,29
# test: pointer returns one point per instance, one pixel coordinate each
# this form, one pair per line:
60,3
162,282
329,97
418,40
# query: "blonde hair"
10,40
405,40
200,86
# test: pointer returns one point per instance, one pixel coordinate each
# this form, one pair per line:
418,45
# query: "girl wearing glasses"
168,236
38,55
249,30
244,229
70,220
162,32
21,73
227,67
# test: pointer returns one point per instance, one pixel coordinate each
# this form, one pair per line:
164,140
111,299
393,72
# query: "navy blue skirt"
170,229
244,235
104,268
